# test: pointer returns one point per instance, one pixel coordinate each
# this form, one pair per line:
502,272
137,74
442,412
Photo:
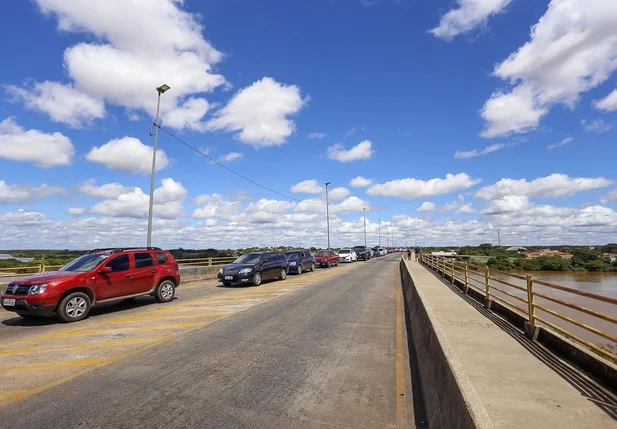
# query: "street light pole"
161,89
379,232
328,214
364,210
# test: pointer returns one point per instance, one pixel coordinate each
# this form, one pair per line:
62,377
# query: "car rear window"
344,251
143,260
161,257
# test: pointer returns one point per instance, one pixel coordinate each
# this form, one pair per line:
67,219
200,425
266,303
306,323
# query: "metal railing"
27,270
539,308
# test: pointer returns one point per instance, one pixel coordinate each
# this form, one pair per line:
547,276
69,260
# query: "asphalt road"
320,356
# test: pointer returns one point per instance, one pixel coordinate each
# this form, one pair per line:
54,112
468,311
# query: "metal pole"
364,210
156,139
379,232
328,214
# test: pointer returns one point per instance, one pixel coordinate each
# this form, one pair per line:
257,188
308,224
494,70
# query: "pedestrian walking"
408,254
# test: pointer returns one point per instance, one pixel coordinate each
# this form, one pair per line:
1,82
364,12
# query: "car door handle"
128,276
153,271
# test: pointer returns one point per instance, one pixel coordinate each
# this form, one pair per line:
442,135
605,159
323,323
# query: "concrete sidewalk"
512,382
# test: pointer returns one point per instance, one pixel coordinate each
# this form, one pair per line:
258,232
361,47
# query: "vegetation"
585,258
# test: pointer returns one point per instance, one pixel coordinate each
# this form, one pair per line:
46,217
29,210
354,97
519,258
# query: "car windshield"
84,263
344,251
358,248
249,258
322,253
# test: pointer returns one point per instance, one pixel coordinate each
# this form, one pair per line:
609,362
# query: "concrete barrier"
194,274
450,399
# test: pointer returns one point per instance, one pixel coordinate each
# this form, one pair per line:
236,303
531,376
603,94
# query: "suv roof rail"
122,249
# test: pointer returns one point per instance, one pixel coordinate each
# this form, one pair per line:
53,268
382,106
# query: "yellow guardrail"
523,298
27,270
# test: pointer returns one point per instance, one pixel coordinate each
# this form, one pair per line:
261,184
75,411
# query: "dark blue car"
253,268
300,261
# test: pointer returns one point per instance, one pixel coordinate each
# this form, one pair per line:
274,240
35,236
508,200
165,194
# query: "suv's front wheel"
165,291
283,274
74,307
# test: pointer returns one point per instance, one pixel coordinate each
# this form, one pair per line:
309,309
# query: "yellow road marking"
401,394
54,365
154,317
103,344
275,292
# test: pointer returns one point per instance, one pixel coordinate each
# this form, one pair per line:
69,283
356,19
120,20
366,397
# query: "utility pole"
387,238
364,210
379,232
499,237
161,89
328,214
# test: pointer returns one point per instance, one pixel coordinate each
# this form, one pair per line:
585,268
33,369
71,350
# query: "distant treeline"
585,258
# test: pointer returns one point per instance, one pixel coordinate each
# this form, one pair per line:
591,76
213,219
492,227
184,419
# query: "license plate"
229,277
9,302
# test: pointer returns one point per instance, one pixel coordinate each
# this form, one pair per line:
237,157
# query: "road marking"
401,394
214,305
54,365
103,344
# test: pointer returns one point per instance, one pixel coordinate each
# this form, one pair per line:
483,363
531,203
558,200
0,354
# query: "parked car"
326,258
347,255
254,268
376,252
300,261
363,253
382,251
100,276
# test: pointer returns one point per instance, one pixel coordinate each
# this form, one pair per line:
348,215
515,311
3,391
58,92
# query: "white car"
383,251
347,255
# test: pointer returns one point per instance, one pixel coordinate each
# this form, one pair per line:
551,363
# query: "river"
604,284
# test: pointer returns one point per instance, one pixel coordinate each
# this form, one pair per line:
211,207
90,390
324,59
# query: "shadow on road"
117,307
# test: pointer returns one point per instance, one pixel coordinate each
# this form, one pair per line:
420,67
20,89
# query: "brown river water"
604,284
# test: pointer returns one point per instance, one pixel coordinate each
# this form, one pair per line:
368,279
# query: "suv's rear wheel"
299,269
283,275
257,279
74,307
165,291
312,266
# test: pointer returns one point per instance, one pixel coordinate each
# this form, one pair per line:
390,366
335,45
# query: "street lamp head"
327,183
163,88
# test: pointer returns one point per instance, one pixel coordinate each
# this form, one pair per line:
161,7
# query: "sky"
447,120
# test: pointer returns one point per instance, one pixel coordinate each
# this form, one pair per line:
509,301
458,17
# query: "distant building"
444,254
549,252
611,256
517,249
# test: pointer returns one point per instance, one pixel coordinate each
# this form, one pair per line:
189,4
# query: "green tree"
500,263
583,255
597,265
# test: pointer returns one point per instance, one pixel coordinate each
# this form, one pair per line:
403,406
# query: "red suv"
100,276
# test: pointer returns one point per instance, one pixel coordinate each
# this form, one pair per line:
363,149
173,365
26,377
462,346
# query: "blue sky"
464,116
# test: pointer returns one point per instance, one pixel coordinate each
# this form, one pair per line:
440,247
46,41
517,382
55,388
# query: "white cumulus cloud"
360,182
352,204
426,207
308,187
469,15
361,151
42,149
63,103
553,186
105,191
417,188
260,112
338,193
13,194
128,154
608,103
571,50
507,204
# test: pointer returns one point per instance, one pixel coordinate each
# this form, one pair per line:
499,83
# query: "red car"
100,276
326,258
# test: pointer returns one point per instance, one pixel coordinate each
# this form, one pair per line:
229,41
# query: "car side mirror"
105,270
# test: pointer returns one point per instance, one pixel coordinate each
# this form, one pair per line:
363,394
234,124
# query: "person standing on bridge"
408,254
